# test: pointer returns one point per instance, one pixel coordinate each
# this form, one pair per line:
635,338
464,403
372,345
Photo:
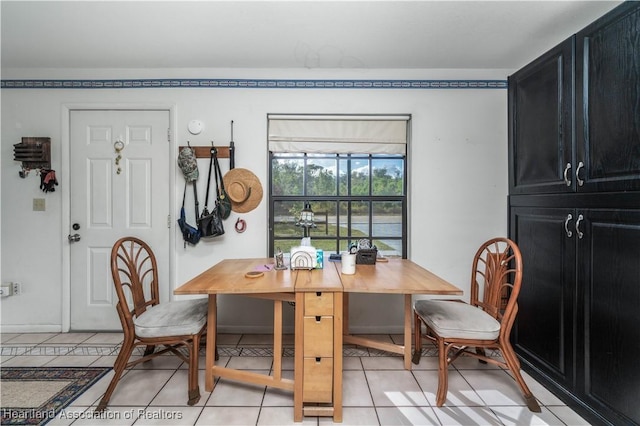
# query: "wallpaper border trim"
252,84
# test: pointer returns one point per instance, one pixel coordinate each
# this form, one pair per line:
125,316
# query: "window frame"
337,198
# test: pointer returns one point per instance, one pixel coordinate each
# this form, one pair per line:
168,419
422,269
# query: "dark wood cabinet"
577,328
609,278
543,333
574,210
602,95
608,102
540,128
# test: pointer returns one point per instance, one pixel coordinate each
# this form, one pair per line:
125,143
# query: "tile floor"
377,390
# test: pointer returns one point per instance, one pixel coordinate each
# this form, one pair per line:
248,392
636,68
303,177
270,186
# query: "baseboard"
31,328
365,329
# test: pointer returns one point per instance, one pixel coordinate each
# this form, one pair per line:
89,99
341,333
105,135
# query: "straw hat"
244,190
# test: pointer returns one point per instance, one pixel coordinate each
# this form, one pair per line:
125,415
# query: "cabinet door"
543,334
609,284
540,127
608,101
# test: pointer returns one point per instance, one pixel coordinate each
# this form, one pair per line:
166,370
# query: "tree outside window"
353,196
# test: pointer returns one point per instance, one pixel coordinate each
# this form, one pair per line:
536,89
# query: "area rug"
34,396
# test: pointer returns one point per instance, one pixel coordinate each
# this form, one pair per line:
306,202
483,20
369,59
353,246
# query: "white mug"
348,263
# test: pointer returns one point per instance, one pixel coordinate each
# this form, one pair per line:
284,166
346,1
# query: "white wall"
457,178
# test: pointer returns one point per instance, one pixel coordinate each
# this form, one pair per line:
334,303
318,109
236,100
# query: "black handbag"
210,223
224,202
190,234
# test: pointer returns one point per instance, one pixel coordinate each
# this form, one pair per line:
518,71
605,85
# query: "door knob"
74,238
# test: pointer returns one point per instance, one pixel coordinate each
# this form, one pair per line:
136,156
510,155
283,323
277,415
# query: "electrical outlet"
16,287
6,289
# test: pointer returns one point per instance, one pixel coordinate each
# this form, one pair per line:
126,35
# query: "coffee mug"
348,264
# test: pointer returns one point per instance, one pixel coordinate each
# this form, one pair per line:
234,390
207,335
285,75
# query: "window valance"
353,134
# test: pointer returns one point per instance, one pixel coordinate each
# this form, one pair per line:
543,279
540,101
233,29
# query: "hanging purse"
210,223
190,234
224,203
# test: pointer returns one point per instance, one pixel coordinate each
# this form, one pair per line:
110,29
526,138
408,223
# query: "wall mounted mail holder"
33,153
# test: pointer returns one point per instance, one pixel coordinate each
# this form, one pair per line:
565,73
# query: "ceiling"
287,34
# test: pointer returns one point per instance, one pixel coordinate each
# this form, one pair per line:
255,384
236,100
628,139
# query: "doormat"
34,396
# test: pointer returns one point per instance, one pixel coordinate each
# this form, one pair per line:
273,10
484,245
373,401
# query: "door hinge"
168,221
168,135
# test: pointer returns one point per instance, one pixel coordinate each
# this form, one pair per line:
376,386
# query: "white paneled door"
119,172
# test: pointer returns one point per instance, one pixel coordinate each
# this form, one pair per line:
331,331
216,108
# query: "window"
353,195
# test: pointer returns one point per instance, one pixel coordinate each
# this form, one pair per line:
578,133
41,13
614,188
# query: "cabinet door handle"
566,174
580,234
566,226
580,181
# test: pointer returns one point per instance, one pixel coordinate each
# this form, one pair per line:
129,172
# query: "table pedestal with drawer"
318,366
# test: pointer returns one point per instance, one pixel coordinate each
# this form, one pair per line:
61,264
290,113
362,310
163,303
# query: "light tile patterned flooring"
377,389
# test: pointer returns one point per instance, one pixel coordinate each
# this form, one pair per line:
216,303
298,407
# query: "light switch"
38,204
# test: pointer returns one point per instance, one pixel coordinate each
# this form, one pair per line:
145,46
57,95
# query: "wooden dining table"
322,309
228,277
396,276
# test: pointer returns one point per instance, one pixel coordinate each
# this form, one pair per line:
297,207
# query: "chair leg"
149,350
443,373
194,388
118,368
480,351
514,366
417,339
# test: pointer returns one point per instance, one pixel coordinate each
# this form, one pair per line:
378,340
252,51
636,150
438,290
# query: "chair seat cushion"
177,318
451,319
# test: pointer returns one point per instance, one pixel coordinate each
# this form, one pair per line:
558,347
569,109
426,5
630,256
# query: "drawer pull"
318,318
318,293
580,167
566,174
318,359
580,233
566,225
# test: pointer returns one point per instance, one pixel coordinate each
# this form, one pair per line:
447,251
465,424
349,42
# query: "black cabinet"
608,102
574,210
578,324
609,277
543,333
602,153
540,128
